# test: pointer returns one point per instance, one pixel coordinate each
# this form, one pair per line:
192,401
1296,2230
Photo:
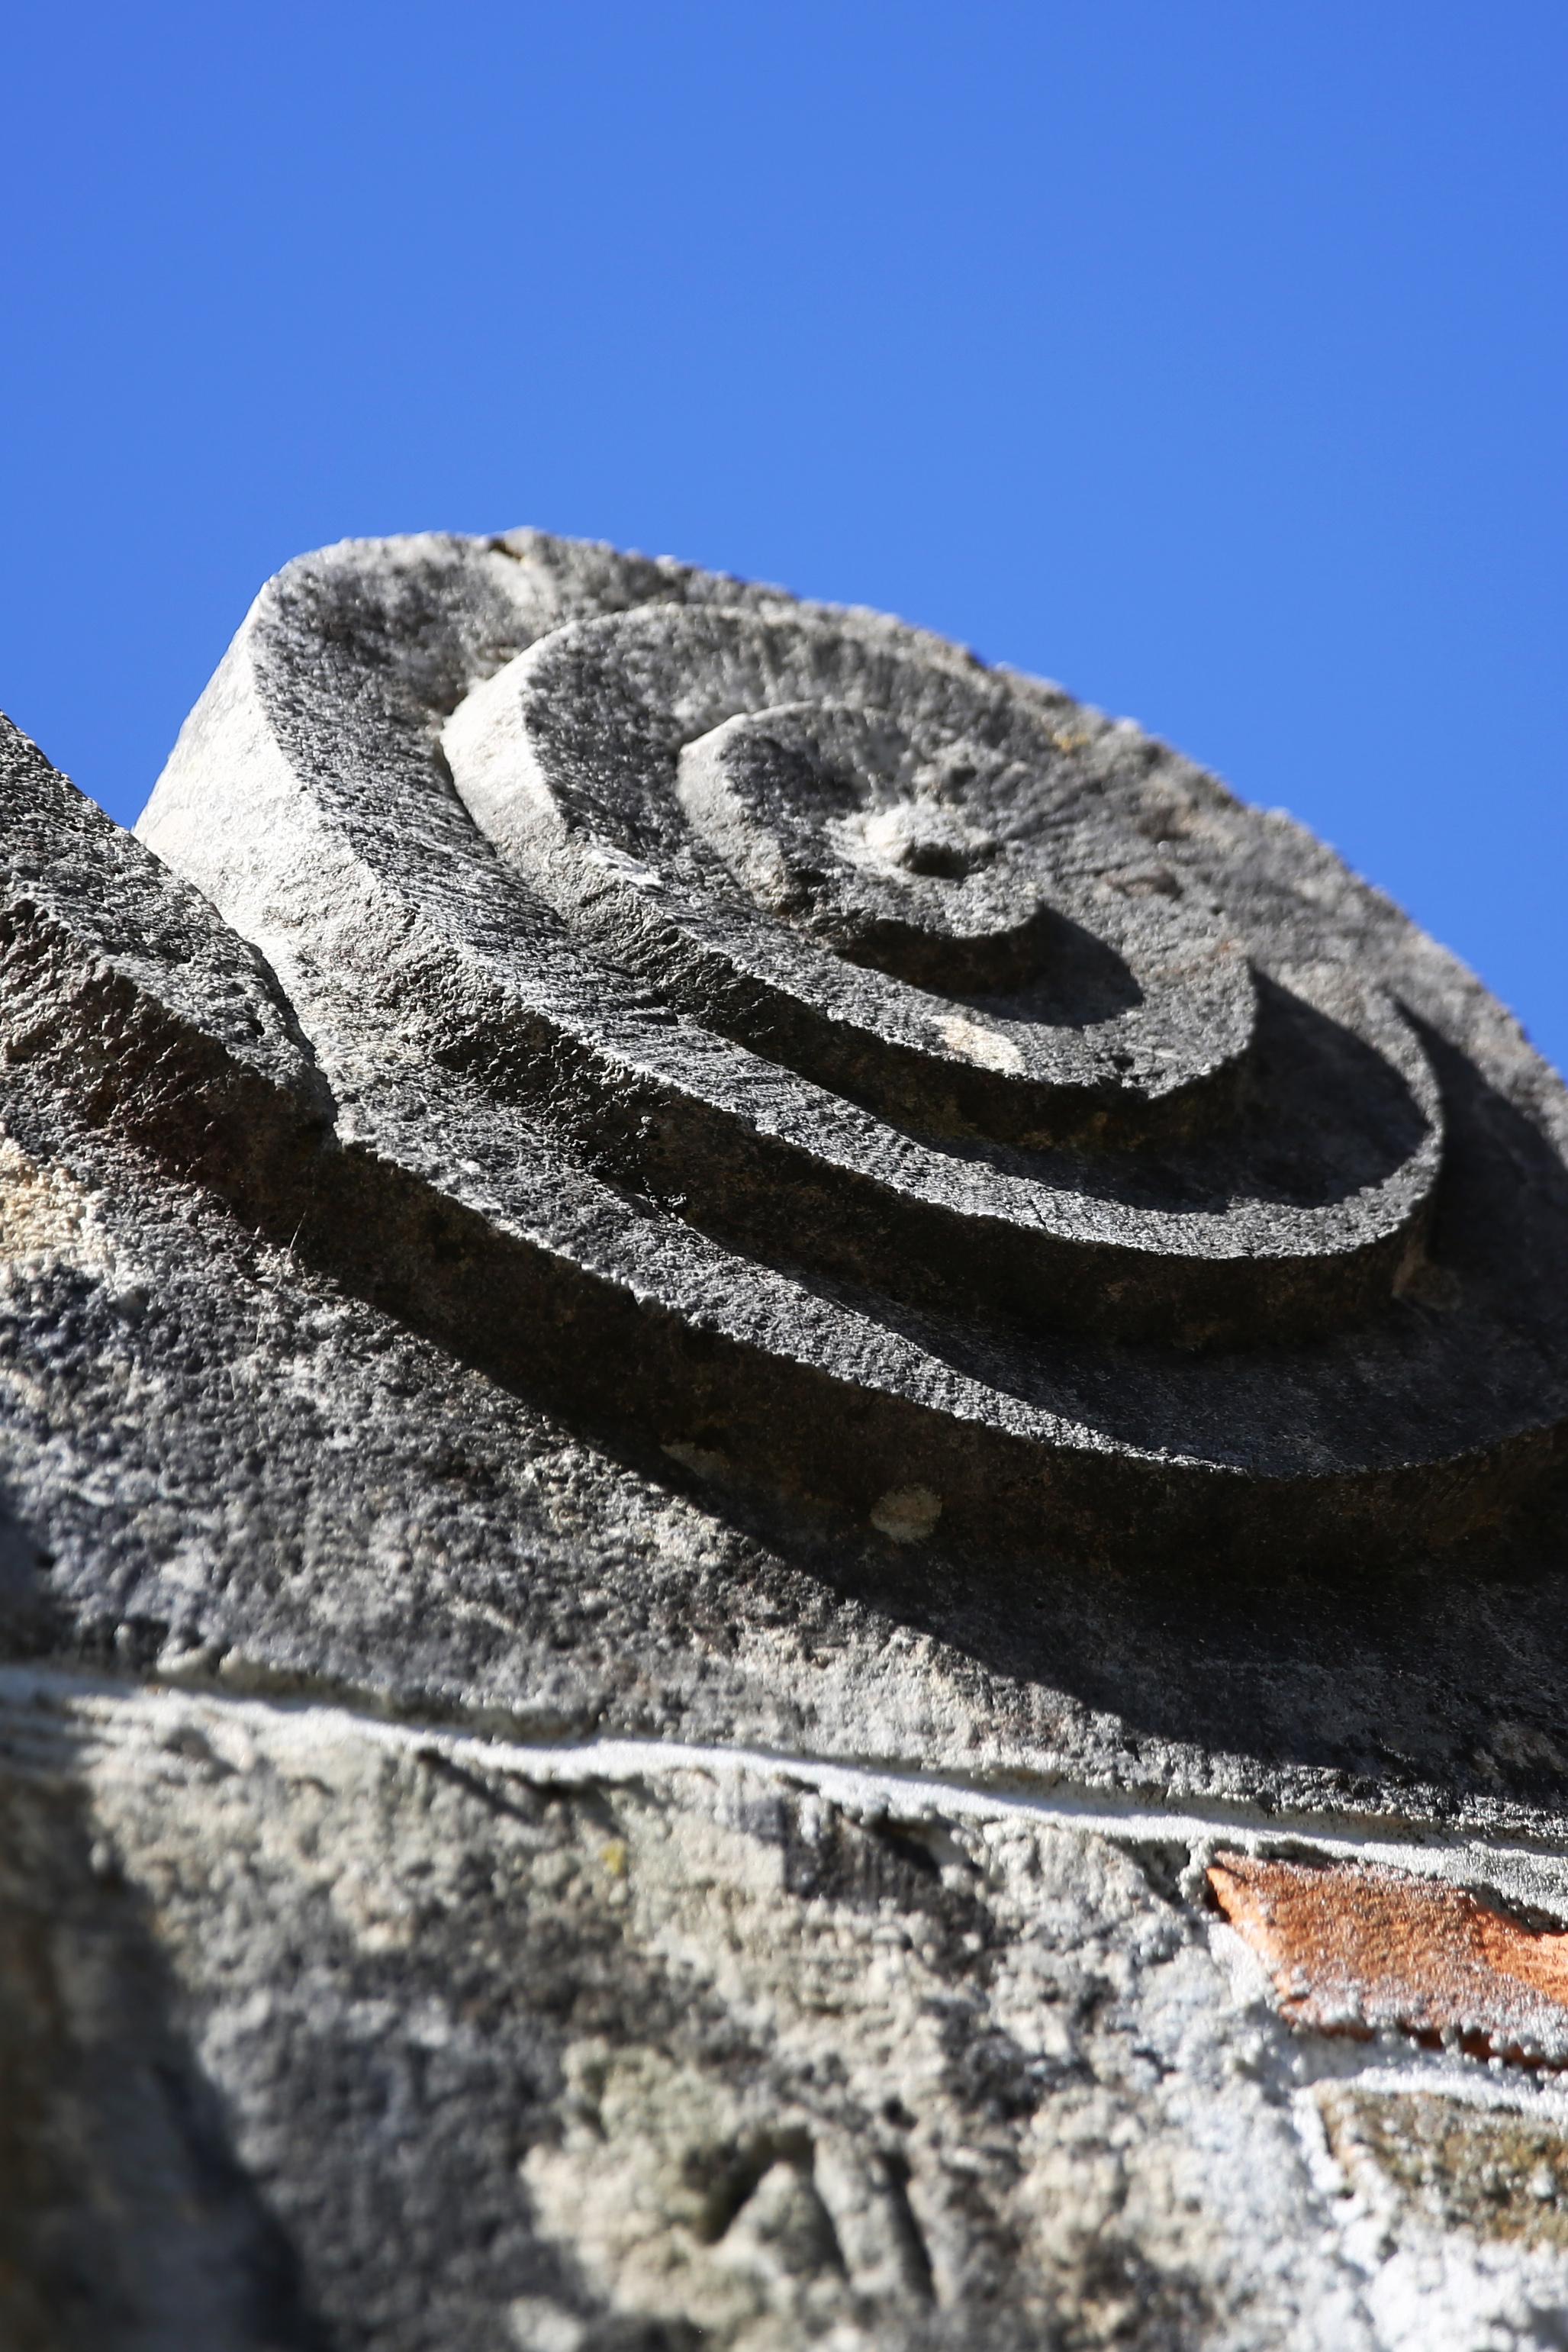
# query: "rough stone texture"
1354,1950
729,1353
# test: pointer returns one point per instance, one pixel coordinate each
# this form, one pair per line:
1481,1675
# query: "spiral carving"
900,1080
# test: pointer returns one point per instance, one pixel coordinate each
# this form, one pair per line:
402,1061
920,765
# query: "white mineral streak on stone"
1525,1873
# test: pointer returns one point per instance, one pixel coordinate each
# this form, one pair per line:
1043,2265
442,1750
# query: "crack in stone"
896,1795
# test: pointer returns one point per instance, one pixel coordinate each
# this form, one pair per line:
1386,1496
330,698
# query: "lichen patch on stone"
1491,2172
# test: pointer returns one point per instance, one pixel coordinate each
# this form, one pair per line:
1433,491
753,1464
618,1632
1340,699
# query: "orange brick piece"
1358,1949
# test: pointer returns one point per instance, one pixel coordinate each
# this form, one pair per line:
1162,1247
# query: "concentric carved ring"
880,865
912,1079
774,867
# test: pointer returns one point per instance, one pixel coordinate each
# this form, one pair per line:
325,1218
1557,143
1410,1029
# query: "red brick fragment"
1357,1949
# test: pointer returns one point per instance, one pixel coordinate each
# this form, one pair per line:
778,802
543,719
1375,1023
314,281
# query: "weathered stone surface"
737,1341
657,1063
1356,1952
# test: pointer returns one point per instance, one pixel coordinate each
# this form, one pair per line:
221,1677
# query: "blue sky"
1211,359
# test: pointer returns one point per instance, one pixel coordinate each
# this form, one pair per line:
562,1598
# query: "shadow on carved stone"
563,973
125,2218
716,1334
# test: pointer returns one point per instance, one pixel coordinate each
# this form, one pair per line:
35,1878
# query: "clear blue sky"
1208,357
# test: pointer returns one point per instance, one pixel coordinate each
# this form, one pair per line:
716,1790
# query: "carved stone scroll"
782,1521
919,1079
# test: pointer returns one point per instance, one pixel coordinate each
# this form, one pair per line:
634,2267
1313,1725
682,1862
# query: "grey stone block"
721,1341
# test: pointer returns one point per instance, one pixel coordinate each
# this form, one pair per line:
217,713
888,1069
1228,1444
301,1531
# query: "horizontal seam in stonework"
889,1792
